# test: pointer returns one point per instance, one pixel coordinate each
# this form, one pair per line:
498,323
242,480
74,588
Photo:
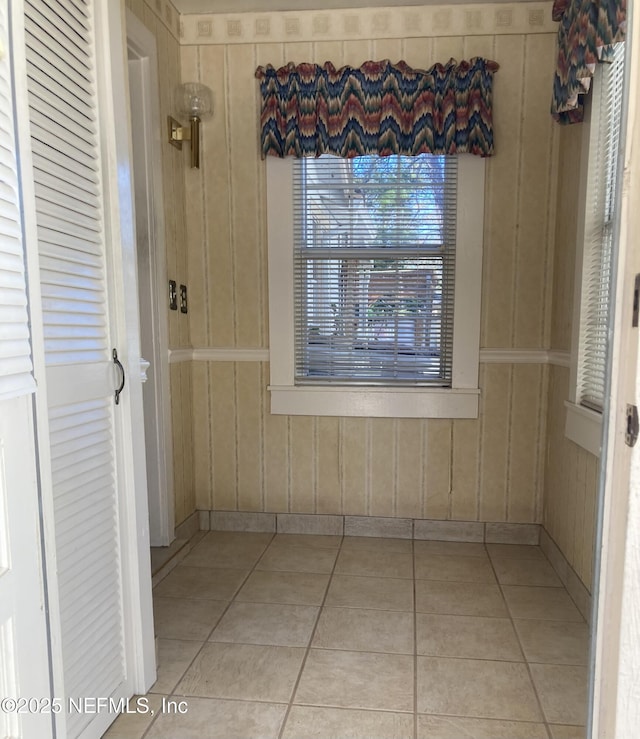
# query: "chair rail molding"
554,357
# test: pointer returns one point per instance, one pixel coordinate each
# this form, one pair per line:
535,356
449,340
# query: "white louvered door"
74,278
24,662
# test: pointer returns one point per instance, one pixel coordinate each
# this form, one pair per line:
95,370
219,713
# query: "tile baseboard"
189,526
568,576
396,528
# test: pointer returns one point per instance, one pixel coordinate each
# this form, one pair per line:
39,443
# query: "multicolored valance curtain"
588,30
378,108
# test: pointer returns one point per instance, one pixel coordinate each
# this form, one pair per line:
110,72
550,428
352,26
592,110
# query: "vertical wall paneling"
409,470
489,469
302,465
494,478
382,461
532,244
354,465
223,432
525,450
249,445
328,465
502,171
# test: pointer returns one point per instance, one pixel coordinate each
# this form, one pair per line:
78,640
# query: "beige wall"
571,473
247,459
162,19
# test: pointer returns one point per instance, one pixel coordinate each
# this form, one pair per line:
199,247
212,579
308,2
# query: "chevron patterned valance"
378,108
588,30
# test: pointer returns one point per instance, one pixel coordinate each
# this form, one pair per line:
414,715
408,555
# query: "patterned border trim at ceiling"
487,356
167,13
368,23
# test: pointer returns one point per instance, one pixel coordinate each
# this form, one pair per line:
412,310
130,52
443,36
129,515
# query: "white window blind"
374,269
599,234
15,351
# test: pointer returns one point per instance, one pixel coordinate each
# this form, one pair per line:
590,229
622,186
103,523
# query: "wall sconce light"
196,101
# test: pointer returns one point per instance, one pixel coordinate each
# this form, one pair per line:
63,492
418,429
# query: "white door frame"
134,552
615,704
135,545
152,280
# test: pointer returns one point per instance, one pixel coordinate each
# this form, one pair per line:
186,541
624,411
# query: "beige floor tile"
228,549
467,636
553,604
133,725
208,718
384,593
559,731
305,722
357,680
266,623
515,551
376,544
320,541
298,559
184,618
243,672
525,572
563,692
554,642
375,563
365,631
456,548
174,656
453,567
201,582
284,587
465,599
476,688
453,727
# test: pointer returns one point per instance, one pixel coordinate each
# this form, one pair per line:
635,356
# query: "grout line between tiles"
529,673
206,641
308,649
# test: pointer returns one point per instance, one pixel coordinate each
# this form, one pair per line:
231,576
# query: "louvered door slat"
66,31
50,133
66,59
15,351
67,172
49,90
53,162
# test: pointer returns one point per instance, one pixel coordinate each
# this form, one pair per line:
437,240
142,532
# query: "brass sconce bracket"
177,132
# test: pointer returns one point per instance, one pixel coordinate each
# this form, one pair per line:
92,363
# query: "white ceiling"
270,6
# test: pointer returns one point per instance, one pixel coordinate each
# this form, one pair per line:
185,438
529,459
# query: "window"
374,285
374,266
594,264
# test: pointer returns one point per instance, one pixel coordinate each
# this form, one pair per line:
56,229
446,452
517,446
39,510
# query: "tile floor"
323,636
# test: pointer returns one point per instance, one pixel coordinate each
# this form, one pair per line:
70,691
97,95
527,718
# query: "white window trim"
459,401
583,426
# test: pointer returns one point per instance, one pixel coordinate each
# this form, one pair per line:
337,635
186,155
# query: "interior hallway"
300,636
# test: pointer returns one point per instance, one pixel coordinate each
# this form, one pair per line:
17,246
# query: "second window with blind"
374,285
594,262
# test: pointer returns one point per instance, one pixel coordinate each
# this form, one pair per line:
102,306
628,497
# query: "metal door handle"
118,364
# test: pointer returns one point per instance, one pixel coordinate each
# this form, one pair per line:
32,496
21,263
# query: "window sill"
373,402
584,427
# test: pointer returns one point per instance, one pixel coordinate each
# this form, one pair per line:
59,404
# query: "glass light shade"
194,100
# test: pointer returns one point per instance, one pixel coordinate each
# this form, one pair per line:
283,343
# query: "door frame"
149,203
120,232
614,711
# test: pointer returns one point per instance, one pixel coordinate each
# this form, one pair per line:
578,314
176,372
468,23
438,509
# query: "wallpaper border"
368,23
